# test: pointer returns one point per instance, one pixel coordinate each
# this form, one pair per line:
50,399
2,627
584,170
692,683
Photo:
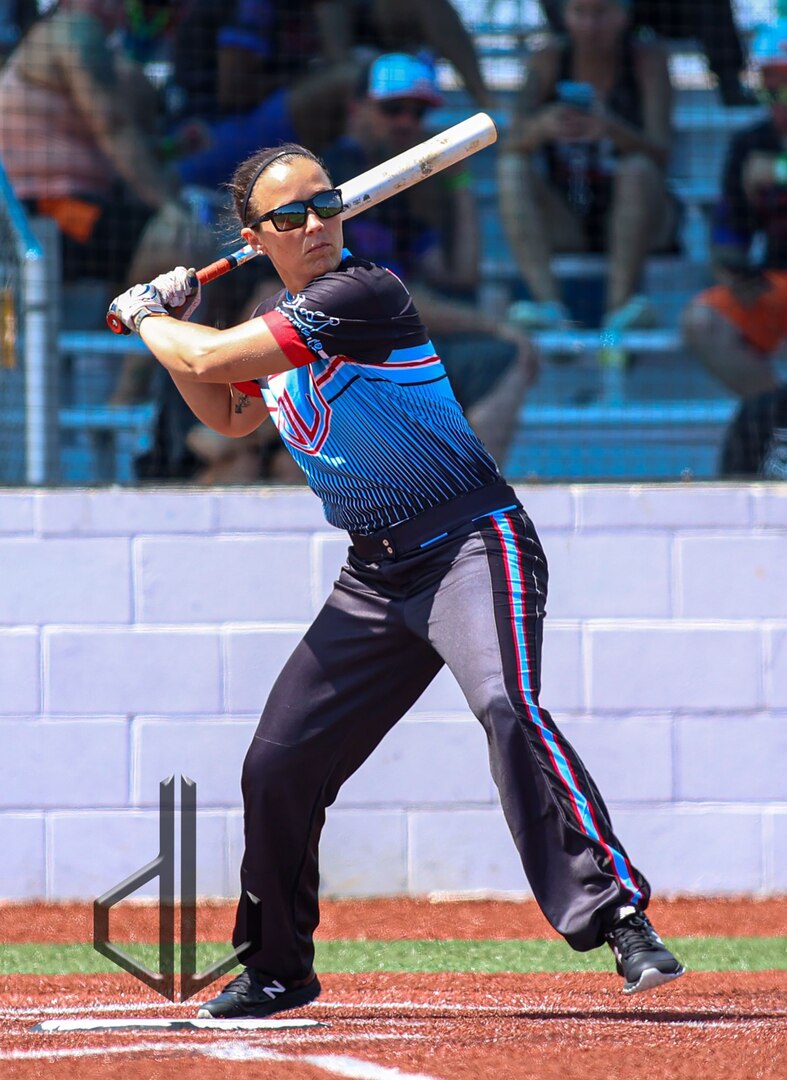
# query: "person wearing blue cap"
429,236
261,73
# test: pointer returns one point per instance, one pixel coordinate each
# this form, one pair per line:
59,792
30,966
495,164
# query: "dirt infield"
392,919
381,1026
457,1027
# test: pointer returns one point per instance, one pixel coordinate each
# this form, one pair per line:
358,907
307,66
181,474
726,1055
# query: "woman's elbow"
200,366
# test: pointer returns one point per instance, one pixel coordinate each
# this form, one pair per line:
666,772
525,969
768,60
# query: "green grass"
484,957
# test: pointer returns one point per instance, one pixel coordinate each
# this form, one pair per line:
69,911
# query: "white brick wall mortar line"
762,679
49,856
42,674
648,715
586,667
676,579
768,851
418,807
575,491
718,532
678,623
38,501
214,511
578,508
140,628
674,758
699,807
446,716
315,570
134,761
44,670
230,871
224,673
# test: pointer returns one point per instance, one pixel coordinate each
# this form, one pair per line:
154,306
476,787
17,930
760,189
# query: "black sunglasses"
399,107
325,204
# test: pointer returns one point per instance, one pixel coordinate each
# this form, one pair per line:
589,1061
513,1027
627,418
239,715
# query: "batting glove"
135,304
180,291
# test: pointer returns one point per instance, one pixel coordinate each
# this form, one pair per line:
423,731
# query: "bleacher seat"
98,442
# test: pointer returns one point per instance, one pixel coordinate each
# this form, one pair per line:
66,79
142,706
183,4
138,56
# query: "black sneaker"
641,956
255,994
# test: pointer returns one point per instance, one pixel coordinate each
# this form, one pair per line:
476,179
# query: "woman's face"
597,23
303,254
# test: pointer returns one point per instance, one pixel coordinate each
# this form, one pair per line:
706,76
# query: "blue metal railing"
28,246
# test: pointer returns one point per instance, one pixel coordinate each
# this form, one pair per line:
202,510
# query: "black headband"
255,177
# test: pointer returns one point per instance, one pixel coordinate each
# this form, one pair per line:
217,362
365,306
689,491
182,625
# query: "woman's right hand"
180,291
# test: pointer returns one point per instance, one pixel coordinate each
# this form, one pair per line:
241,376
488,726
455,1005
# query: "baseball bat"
375,185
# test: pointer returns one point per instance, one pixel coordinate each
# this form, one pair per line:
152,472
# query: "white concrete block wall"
140,632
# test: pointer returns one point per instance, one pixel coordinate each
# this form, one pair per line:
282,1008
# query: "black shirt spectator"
739,214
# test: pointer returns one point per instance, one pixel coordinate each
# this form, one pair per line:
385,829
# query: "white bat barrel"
372,187
420,162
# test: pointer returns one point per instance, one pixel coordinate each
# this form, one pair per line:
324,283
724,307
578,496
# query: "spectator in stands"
241,69
755,443
429,236
583,165
408,26
711,22
736,326
78,141
260,72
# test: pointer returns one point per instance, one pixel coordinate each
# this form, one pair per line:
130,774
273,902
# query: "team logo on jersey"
306,425
307,321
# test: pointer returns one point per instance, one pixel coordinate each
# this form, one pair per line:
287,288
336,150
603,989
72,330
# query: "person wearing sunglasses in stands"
430,236
444,568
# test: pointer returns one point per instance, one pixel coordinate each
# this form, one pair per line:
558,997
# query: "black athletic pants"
474,600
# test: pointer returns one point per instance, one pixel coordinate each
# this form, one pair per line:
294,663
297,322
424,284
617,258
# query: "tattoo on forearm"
241,403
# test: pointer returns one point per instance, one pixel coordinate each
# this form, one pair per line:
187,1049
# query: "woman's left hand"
135,304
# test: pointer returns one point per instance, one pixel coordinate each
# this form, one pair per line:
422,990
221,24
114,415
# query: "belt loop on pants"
435,524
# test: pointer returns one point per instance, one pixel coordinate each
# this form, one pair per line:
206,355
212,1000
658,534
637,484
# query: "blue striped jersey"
367,412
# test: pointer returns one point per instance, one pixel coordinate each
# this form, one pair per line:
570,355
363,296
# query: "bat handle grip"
225,264
215,270
204,276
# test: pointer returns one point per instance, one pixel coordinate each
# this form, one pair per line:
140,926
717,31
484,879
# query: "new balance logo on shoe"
254,993
641,956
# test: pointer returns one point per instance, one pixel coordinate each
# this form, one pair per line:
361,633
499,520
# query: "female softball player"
444,567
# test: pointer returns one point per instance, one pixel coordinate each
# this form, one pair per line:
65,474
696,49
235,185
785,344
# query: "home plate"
134,1023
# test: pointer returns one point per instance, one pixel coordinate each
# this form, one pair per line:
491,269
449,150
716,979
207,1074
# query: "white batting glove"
180,291
135,304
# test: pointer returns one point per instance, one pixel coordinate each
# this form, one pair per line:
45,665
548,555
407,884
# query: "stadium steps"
98,441
660,416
